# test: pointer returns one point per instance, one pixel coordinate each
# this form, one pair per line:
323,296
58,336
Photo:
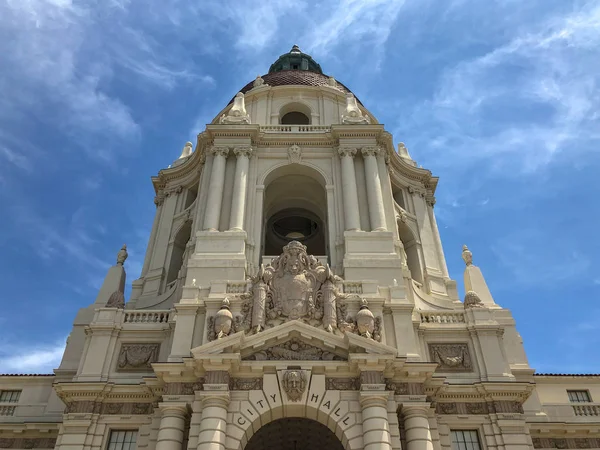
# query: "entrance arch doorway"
294,433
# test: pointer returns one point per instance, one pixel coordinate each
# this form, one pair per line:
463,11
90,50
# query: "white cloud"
31,359
522,104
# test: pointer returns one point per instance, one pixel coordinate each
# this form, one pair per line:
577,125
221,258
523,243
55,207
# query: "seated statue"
353,114
237,113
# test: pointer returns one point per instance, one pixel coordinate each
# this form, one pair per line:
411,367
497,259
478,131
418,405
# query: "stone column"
350,194
416,427
238,201
215,189
374,194
376,428
215,400
172,425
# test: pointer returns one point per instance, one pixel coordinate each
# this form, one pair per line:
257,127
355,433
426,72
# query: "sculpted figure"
237,114
122,255
353,114
294,286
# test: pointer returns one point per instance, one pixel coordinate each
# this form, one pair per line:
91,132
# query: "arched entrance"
294,433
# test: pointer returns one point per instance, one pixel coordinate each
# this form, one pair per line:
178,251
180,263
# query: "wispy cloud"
31,359
524,103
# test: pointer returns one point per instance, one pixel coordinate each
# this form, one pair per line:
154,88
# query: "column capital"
415,410
243,150
373,398
219,150
371,151
173,408
347,151
214,398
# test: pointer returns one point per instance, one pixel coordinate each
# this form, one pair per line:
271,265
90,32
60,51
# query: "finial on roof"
467,256
122,255
295,49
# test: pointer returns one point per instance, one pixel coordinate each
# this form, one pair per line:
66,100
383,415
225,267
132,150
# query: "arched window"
295,118
295,113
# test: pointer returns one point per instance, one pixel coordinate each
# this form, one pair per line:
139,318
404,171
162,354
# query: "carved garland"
497,407
451,357
294,350
566,442
137,357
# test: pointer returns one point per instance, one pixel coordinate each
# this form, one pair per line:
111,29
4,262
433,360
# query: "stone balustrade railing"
295,129
587,409
7,410
439,317
146,316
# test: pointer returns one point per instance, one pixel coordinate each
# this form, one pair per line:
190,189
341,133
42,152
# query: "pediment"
293,341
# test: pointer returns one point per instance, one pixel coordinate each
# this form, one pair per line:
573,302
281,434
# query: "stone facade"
295,280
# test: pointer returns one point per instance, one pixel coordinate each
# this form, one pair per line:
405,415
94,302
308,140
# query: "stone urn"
365,321
223,320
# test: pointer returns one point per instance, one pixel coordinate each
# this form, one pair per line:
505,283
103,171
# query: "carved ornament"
245,384
472,300
405,388
122,255
295,154
370,151
342,384
539,442
451,357
243,150
222,324
294,350
347,151
183,388
137,356
294,384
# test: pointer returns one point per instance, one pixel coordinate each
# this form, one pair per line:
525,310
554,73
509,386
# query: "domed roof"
295,68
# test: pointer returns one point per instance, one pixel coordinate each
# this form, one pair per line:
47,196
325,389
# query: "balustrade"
442,317
295,129
586,410
147,317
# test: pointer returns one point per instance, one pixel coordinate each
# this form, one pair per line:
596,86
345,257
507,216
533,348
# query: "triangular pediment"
293,341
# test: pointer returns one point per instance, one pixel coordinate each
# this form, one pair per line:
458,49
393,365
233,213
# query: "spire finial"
467,256
295,49
122,255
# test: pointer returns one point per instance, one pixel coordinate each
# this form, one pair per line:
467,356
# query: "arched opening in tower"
411,249
178,251
295,118
295,209
294,433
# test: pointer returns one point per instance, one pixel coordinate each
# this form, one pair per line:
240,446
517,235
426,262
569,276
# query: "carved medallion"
294,384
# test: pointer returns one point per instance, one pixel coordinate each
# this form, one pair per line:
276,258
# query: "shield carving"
294,384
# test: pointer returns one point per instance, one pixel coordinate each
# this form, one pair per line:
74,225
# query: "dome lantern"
295,60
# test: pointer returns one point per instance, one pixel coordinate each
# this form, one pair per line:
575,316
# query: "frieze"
27,442
451,357
136,357
183,388
497,407
294,350
563,443
405,388
122,408
342,384
245,384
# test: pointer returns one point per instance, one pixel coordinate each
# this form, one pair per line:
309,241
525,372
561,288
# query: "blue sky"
500,99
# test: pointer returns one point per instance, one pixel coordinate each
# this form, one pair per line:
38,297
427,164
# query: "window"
122,440
579,396
465,440
9,396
